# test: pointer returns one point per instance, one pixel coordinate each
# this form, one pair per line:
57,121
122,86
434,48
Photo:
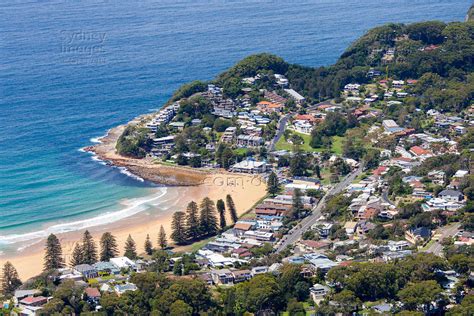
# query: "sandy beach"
245,191
183,185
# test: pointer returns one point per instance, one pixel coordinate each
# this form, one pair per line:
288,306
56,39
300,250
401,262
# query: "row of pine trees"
202,221
197,222
87,252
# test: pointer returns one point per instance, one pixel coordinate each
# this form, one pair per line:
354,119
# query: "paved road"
443,232
385,197
279,133
295,234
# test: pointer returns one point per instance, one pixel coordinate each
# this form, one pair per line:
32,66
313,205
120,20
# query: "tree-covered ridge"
445,51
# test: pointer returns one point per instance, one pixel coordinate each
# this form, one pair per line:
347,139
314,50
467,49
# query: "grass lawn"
336,147
241,151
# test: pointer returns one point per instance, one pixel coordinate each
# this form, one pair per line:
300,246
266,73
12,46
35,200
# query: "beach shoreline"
182,185
244,189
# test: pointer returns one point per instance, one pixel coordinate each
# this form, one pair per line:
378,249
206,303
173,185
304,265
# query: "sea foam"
131,207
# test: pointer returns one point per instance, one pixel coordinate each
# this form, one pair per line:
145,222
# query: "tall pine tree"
178,229
273,186
297,207
207,219
108,247
130,248
148,245
162,240
10,280
231,208
192,221
89,249
221,210
77,256
53,257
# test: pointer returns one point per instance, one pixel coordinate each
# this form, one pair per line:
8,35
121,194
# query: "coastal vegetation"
202,221
362,250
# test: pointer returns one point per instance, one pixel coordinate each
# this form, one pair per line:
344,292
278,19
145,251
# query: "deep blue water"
72,69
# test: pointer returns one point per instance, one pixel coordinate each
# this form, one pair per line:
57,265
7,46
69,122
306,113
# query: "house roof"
450,193
242,226
417,150
92,292
84,268
314,244
423,232
33,299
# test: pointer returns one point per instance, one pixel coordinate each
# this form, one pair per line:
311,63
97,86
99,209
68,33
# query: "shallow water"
72,69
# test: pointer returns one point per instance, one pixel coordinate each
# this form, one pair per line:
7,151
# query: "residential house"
249,141
452,195
420,153
391,126
222,276
124,263
318,292
275,98
269,107
418,235
241,275
33,301
313,245
122,288
249,166
323,229
228,136
92,295
320,262
350,227
88,271
259,270
241,227
296,96
105,267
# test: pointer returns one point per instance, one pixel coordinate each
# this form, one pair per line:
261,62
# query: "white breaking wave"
132,207
125,171
97,140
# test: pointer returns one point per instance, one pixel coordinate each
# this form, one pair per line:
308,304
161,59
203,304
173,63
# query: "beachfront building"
249,166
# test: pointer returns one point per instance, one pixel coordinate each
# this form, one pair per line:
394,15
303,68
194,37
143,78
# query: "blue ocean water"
72,69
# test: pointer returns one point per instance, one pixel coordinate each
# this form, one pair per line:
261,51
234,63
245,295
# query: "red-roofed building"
269,107
34,301
92,292
368,213
312,245
420,152
306,117
380,171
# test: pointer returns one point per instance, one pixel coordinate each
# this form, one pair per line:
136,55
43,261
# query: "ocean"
72,69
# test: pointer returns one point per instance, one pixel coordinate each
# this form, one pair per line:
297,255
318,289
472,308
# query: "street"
294,235
446,231
279,132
